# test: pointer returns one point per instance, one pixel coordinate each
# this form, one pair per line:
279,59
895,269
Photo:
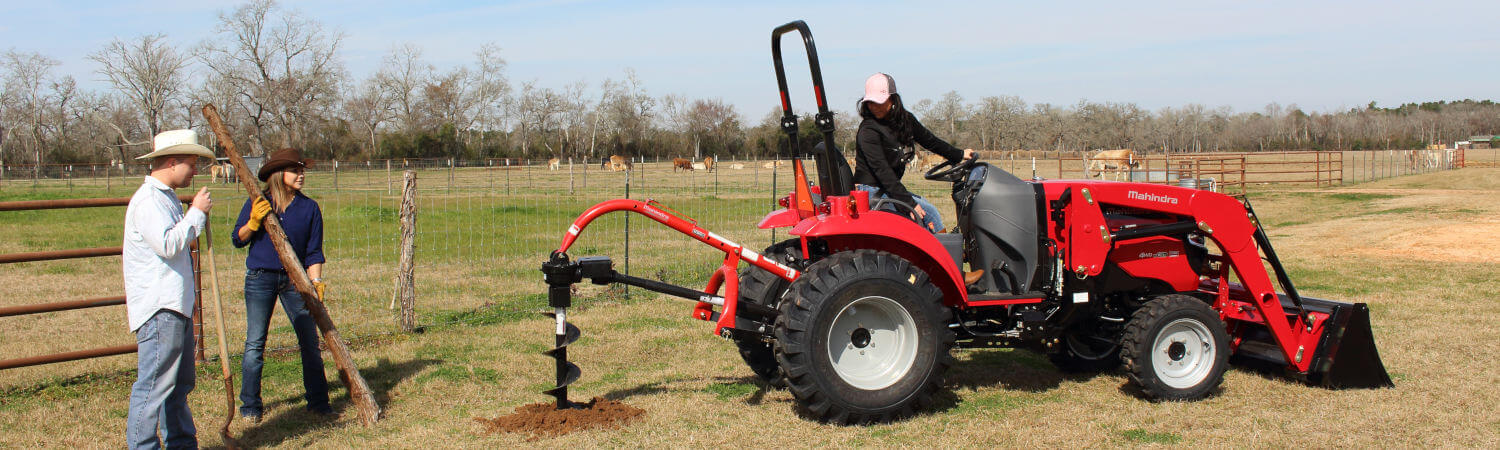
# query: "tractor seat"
842,175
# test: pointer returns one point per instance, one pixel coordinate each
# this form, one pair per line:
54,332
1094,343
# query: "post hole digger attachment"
856,314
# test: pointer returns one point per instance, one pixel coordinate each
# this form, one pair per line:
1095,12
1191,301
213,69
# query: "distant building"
1484,141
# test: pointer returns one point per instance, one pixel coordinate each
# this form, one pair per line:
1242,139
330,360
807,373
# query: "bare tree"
148,71
402,78
369,107
27,74
630,110
491,89
282,64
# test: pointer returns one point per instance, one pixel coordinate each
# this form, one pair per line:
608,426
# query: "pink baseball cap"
879,87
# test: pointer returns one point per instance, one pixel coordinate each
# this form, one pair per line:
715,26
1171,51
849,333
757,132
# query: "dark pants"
262,287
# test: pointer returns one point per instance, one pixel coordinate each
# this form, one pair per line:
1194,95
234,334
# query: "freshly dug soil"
544,420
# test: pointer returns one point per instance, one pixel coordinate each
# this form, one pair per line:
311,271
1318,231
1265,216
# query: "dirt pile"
544,420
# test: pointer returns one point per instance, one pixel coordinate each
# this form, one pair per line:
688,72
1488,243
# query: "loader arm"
1221,218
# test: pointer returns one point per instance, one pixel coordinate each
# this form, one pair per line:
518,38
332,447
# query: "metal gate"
39,308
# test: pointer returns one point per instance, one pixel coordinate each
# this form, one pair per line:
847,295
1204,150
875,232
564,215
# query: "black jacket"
879,159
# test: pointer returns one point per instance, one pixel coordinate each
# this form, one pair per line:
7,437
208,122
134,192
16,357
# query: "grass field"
1419,249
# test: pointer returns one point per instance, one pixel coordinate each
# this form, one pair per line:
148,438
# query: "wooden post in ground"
359,390
406,289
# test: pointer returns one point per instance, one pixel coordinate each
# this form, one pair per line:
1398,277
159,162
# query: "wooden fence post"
406,291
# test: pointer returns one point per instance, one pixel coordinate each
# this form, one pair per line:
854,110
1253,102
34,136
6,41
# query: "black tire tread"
798,311
1135,346
764,288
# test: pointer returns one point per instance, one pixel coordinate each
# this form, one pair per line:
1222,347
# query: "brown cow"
619,163
929,160
1118,162
708,163
682,163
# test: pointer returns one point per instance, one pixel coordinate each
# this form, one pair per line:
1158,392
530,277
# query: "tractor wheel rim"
1183,353
872,343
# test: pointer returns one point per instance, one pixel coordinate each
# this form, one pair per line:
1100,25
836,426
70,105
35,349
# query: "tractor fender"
780,218
887,232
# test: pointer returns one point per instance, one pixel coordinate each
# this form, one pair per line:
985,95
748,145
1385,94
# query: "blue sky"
1322,56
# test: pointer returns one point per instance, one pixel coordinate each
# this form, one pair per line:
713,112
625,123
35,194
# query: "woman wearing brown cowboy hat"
266,279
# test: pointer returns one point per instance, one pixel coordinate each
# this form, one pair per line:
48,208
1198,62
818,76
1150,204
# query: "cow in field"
218,171
737,166
619,163
929,160
708,163
1118,162
554,164
774,164
682,163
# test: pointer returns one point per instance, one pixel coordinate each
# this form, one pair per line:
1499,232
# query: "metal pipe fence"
41,308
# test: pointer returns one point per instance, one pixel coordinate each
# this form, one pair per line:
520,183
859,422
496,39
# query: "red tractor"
857,313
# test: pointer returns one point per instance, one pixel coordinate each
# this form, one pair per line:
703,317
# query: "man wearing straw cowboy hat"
159,284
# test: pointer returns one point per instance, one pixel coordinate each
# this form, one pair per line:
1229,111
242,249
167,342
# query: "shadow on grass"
1009,369
382,378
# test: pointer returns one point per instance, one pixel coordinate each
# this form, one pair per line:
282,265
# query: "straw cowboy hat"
177,142
281,160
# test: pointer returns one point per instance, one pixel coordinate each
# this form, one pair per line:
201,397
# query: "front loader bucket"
1346,356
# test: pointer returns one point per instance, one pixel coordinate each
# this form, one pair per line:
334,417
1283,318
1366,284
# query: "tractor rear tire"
863,338
1175,348
764,288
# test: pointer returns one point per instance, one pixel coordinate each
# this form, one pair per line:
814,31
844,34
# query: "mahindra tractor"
857,313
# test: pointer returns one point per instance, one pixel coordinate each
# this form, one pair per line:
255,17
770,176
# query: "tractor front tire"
1175,348
863,338
764,288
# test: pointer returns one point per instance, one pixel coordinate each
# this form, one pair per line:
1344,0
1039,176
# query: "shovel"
213,283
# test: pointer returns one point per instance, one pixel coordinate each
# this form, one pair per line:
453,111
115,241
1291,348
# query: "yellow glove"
258,212
320,286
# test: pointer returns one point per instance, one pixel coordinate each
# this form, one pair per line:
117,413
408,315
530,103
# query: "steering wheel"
951,171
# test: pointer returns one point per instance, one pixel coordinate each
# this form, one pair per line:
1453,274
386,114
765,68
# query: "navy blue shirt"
303,223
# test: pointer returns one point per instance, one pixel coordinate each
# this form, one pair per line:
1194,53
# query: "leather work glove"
320,286
258,212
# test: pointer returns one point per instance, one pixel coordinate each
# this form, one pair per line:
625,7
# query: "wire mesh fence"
484,227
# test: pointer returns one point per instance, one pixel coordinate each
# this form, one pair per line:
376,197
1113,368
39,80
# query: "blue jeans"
164,377
934,220
261,289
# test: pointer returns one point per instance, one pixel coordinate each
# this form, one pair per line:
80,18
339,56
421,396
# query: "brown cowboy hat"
281,160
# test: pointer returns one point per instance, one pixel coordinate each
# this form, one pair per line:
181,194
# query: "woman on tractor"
266,279
883,147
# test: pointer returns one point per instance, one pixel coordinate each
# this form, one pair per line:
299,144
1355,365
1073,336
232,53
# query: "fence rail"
40,308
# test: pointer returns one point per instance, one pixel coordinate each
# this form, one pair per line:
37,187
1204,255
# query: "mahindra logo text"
1151,197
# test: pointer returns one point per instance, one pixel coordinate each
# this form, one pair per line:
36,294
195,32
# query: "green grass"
1141,436
729,391
1359,196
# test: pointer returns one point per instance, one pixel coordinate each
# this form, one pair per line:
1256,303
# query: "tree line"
277,77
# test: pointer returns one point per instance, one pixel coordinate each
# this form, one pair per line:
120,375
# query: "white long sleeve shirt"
156,259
